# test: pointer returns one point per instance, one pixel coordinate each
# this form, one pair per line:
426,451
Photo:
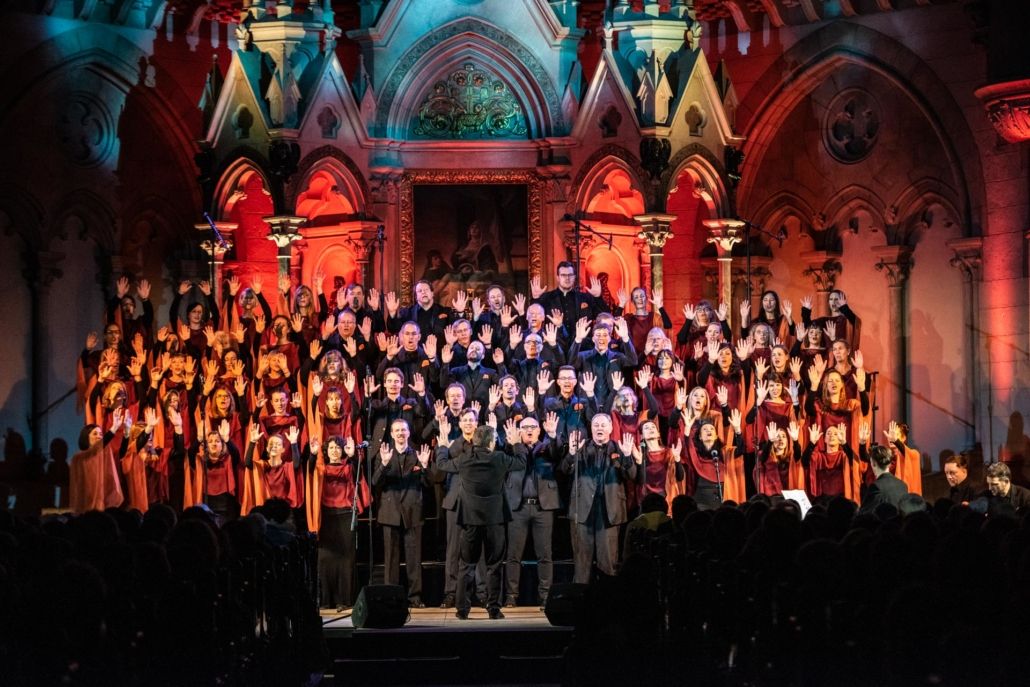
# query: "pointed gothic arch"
448,49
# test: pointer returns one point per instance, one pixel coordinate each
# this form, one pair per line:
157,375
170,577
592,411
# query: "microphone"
715,454
363,444
222,243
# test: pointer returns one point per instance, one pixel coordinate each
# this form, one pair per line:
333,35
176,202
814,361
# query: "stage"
435,647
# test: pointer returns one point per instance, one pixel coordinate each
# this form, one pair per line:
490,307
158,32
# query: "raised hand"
392,304
259,322
788,310
551,334
205,287
819,364
722,395
486,335
723,311
677,371
174,418
495,396
136,366
507,316
184,332
240,385
794,391
460,300
761,367
254,433
644,376
314,446
319,279
582,329
735,419
163,332
143,289
529,398
448,335
150,419
681,397
865,433
842,432
478,407
121,287
234,285
713,351
795,367
511,432
617,380
445,430
689,311
315,349
373,299
595,287
292,433
370,386
574,441
761,391
745,313
385,454
814,434
550,424
184,286
794,430
447,354
209,335
858,360
622,328
543,381
498,356
587,381
429,346
891,432
491,419
744,349
677,451
350,380
622,297
772,431
295,400
535,288
556,317
117,419
477,308
658,299
349,447
393,347
316,386
699,349
814,378
224,430
366,328
806,302
520,303
800,332
830,329
418,384
626,444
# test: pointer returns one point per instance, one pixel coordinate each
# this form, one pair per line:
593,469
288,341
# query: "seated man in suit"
482,507
960,486
1002,495
886,488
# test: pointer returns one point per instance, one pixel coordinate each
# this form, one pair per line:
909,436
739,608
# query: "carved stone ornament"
86,129
470,103
534,213
1008,108
654,155
852,125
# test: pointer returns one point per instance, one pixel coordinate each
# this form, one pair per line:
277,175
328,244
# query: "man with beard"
476,379
430,316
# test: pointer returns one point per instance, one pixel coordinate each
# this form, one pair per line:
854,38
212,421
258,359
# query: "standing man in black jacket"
534,498
568,299
400,475
601,470
886,488
482,508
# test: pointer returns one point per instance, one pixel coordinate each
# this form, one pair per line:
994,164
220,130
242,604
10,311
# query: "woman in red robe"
273,471
94,483
831,407
660,470
829,462
718,465
778,457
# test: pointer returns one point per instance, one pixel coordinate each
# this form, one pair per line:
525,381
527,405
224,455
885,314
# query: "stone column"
969,259
216,251
823,268
896,264
41,268
362,241
725,233
284,230
654,229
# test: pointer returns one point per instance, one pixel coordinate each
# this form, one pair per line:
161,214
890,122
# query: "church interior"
709,151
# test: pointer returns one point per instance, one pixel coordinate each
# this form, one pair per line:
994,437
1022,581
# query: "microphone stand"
780,236
718,474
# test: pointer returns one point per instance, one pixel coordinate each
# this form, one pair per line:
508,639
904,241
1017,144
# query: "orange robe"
94,483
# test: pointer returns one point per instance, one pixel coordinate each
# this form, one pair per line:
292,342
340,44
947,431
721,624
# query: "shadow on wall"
1016,449
28,484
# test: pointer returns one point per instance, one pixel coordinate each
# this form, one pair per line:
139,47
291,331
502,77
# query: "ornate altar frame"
534,211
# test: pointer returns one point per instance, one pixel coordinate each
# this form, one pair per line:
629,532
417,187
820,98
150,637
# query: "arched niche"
691,202
617,197
325,199
446,51
339,265
600,261
242,197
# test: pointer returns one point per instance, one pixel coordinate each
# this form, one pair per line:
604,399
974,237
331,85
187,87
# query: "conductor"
482,507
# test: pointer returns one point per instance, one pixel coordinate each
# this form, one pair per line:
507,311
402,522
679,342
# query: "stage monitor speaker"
564,603
381,606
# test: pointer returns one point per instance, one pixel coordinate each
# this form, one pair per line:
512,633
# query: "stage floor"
520,618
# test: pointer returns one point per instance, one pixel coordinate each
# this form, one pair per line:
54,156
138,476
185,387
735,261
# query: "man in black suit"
886,488
415,411
956,471
568,299
400,475
601,360
534,498
1002,495
476,379
430,316
573,411
601,468
482,508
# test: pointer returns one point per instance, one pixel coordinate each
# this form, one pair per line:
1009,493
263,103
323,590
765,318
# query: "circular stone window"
851,126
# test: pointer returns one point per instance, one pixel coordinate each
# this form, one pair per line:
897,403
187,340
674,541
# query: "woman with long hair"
828,406
659,468
94,482
718,465
779,460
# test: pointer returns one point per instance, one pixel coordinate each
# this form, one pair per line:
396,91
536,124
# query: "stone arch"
233,179
21,215
84,215
611,190
329,163
597,167
706,174
799,70
920,208
448,48
849,203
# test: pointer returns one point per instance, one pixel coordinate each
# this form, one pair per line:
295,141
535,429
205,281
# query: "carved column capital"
1008,108
823,268
895,262
968,256
654,229
724,233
